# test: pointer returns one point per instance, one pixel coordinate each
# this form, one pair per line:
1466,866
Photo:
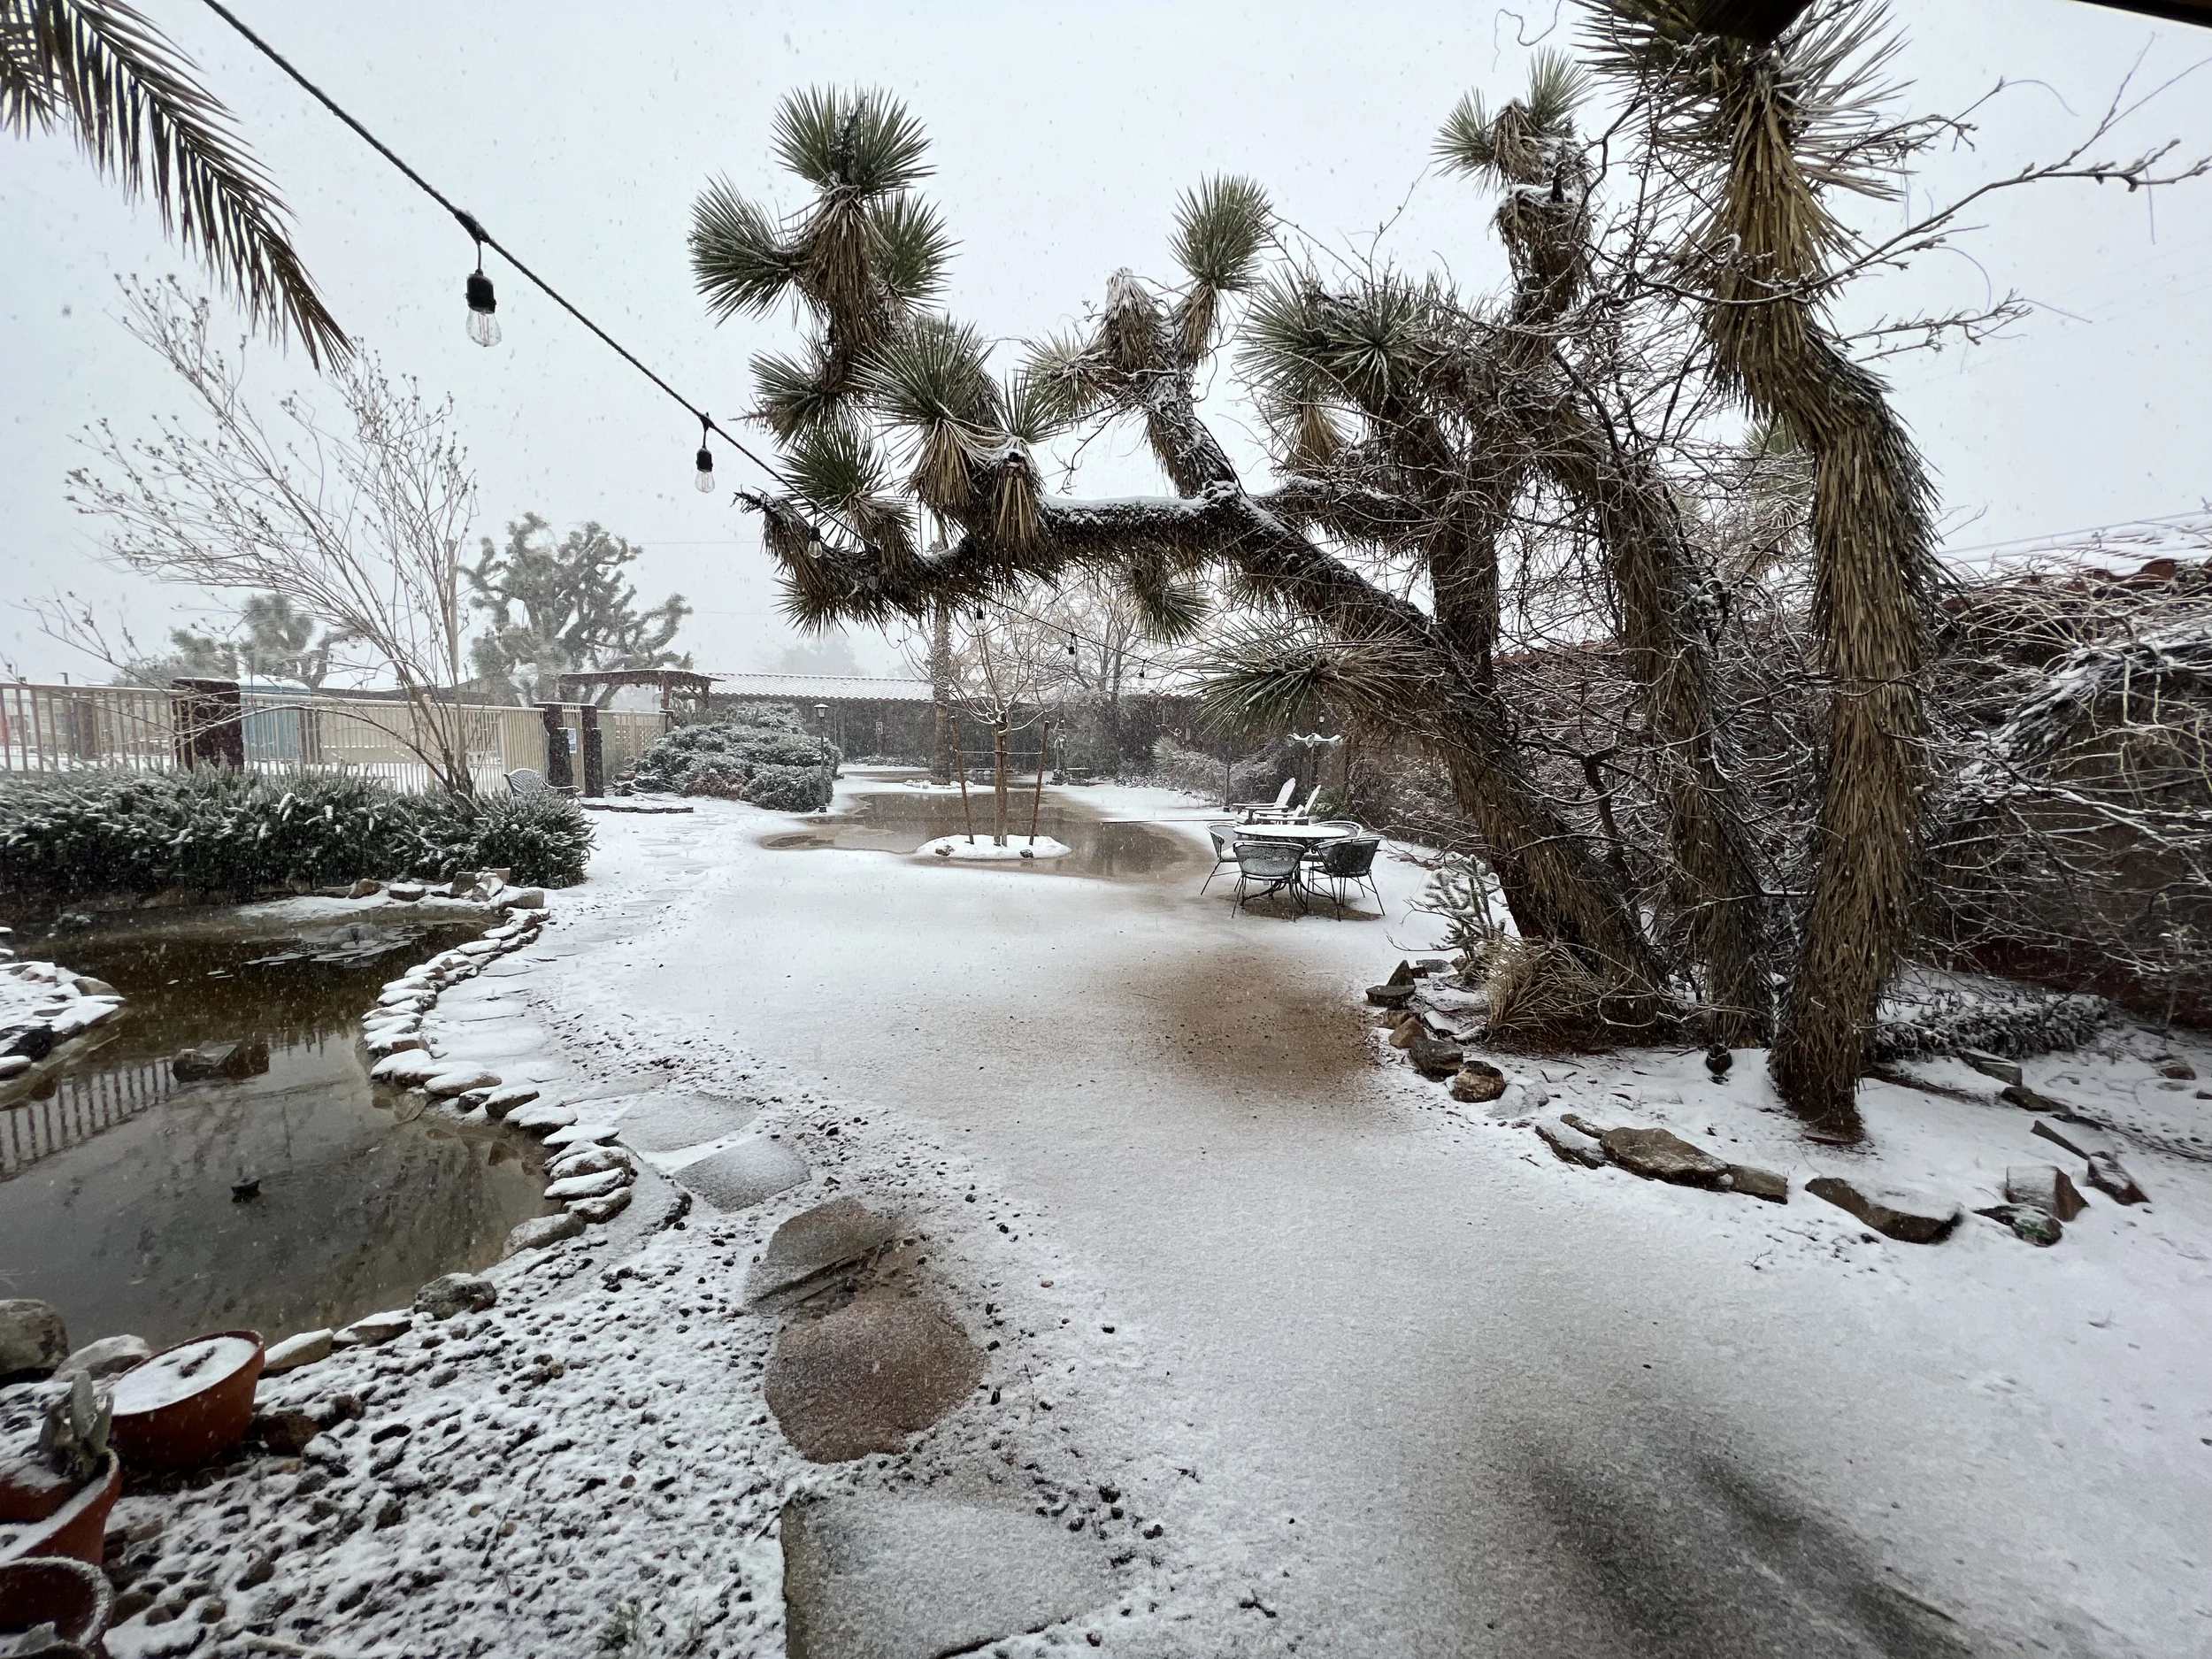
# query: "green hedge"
215,830
777,766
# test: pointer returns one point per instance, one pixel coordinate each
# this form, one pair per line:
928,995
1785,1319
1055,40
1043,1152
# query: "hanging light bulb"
483,324
702,480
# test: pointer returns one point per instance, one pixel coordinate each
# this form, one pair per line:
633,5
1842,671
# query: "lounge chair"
1272,811
1349,864
1304,814
523,781
1265,867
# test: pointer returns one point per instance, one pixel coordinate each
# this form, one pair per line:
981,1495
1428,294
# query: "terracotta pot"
79,1528
194,1424
74,1598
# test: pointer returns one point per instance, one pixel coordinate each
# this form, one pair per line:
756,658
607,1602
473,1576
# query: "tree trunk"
998,783
944,726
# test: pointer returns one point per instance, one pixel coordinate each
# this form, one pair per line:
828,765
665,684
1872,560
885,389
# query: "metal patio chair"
1349,864
1265,867
1225,839
522,780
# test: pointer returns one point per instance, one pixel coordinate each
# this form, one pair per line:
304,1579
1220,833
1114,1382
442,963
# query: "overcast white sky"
1062,134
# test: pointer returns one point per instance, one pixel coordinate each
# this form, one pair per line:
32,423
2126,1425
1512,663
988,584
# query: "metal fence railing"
67,728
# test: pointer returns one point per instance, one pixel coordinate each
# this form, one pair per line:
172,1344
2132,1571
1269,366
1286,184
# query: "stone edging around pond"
42,1007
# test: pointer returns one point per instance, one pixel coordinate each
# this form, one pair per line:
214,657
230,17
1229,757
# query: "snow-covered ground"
1386,1376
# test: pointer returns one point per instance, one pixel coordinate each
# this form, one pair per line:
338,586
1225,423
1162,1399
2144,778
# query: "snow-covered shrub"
543,841
1464,893
790,788
730,750
1540,992
214,830
713,777
2014,1020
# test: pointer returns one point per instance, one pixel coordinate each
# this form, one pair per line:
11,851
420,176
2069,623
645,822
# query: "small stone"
376,1329
1570,1144
2004,1071
286,1434
590,1160
1472,1087
525,899
581,1134
1756,1183
460,1081
1909,1218
390,1513
405,1070
455,1292
501,1102
2045,1186
597,1186
605,1208
365,889
1659,1154
2180,1070
2032,1222
1392,995
259,1571
309,1347
110,1356
537,1233
1574,1120
2109,1176
2027,1100
33,1339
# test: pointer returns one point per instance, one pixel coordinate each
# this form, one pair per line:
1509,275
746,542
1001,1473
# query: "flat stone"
376,1329
500,1102
581,1134
541,1231
307,1348
590,1160
2031,1221
1570,1144
2004,1071
865,1378
666,1123
406,1069
1660,1154
594,1186
460,1079
2027,1100
1392,996
1435,1057
538,1117
817,1241
33,1338
1754,1182
110,1356
605,1208
872,1577
455,1292
2047,1186
2109,1176
740,1176
1909,1217
405,892
524,899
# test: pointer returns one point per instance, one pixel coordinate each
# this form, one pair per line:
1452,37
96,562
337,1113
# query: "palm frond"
1464,144
740,260
1366,345
1033,409
859,143
910,248
1557,86
935,370
1265,679
1173,611
1220,228
1067,377
794,392
141,117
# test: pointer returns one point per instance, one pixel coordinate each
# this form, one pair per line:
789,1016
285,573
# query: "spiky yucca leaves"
1272,676
1522,142
1773,123
130,97
1220,228
932,383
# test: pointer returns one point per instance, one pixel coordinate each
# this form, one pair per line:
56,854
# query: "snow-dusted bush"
1540,992
731,749
218,831
790,788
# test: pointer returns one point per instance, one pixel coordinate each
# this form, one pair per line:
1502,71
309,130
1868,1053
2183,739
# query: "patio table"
1310,836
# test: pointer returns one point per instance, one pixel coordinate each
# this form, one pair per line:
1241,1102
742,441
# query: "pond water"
116,1176
900,820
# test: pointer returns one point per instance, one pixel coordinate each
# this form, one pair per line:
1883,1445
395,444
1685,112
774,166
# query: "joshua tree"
129,95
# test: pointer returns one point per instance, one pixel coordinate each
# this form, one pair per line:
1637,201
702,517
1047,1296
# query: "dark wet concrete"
116,1198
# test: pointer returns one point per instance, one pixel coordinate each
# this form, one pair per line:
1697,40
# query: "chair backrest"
1225,837
1271,861
1307,811
1290,788
1352,857
522,780
1350,826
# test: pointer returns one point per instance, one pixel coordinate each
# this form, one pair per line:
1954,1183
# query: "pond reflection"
901,820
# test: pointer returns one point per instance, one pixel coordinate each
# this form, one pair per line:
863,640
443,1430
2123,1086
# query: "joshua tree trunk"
944,726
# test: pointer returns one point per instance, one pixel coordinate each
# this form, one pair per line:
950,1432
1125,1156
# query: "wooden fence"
67,728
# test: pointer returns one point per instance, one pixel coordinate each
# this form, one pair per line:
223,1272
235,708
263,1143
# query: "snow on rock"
983,850
42,1004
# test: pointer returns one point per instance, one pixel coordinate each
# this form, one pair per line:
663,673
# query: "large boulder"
1909,1217
1660,1154
874,1576
33,1341
110,1356
865,1378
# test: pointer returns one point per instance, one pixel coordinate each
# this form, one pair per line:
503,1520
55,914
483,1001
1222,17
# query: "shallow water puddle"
116,1174
900,820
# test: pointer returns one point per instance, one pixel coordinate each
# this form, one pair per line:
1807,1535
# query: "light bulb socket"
702,479
481,297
